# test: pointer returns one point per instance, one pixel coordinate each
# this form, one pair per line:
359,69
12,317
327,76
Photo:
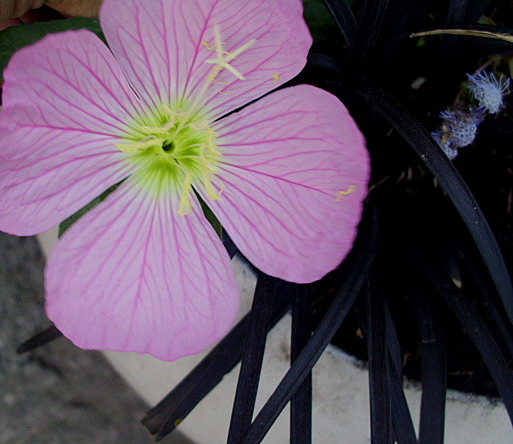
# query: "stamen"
210,145
207,182
349,190
141,145
154,130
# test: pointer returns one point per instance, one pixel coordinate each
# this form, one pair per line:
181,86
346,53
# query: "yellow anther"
211,47
276,78
207,45
349,190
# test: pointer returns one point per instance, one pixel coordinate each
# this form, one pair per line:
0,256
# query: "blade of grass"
401,417
253,355
379,389
433,363
344,18
475,328
39,339
301,402
473,30
491,301
400,413
363,45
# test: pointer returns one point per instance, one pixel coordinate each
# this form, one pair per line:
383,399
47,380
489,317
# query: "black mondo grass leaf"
252,360
402,421
475,10
432,155
389,410
457,10
476,329
379,368
365,40
301,402
491,302
344,18
433,364
39,339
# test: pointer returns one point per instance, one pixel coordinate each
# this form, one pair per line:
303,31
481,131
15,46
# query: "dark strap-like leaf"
252,359
41,338
475,328
344,18
301,402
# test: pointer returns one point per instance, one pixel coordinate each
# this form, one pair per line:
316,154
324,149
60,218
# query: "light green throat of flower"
174,149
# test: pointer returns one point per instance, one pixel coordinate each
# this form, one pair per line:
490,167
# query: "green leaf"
216,225
17,37
318,18
64,225
72,219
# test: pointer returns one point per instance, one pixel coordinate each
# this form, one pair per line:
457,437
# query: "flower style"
160,114
488,90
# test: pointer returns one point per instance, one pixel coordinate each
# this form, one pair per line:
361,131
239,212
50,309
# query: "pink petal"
285,161
65,104
68,80
133,275
162,46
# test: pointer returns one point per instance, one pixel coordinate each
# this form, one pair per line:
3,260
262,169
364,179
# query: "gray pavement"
57,394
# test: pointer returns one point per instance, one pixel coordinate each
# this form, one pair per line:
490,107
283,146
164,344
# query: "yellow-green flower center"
174,149
174,146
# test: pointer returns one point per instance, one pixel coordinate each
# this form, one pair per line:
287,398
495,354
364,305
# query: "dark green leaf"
318,18
17,37
72,219
211,217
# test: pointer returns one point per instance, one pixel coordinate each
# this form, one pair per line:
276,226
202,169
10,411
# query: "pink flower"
144,270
